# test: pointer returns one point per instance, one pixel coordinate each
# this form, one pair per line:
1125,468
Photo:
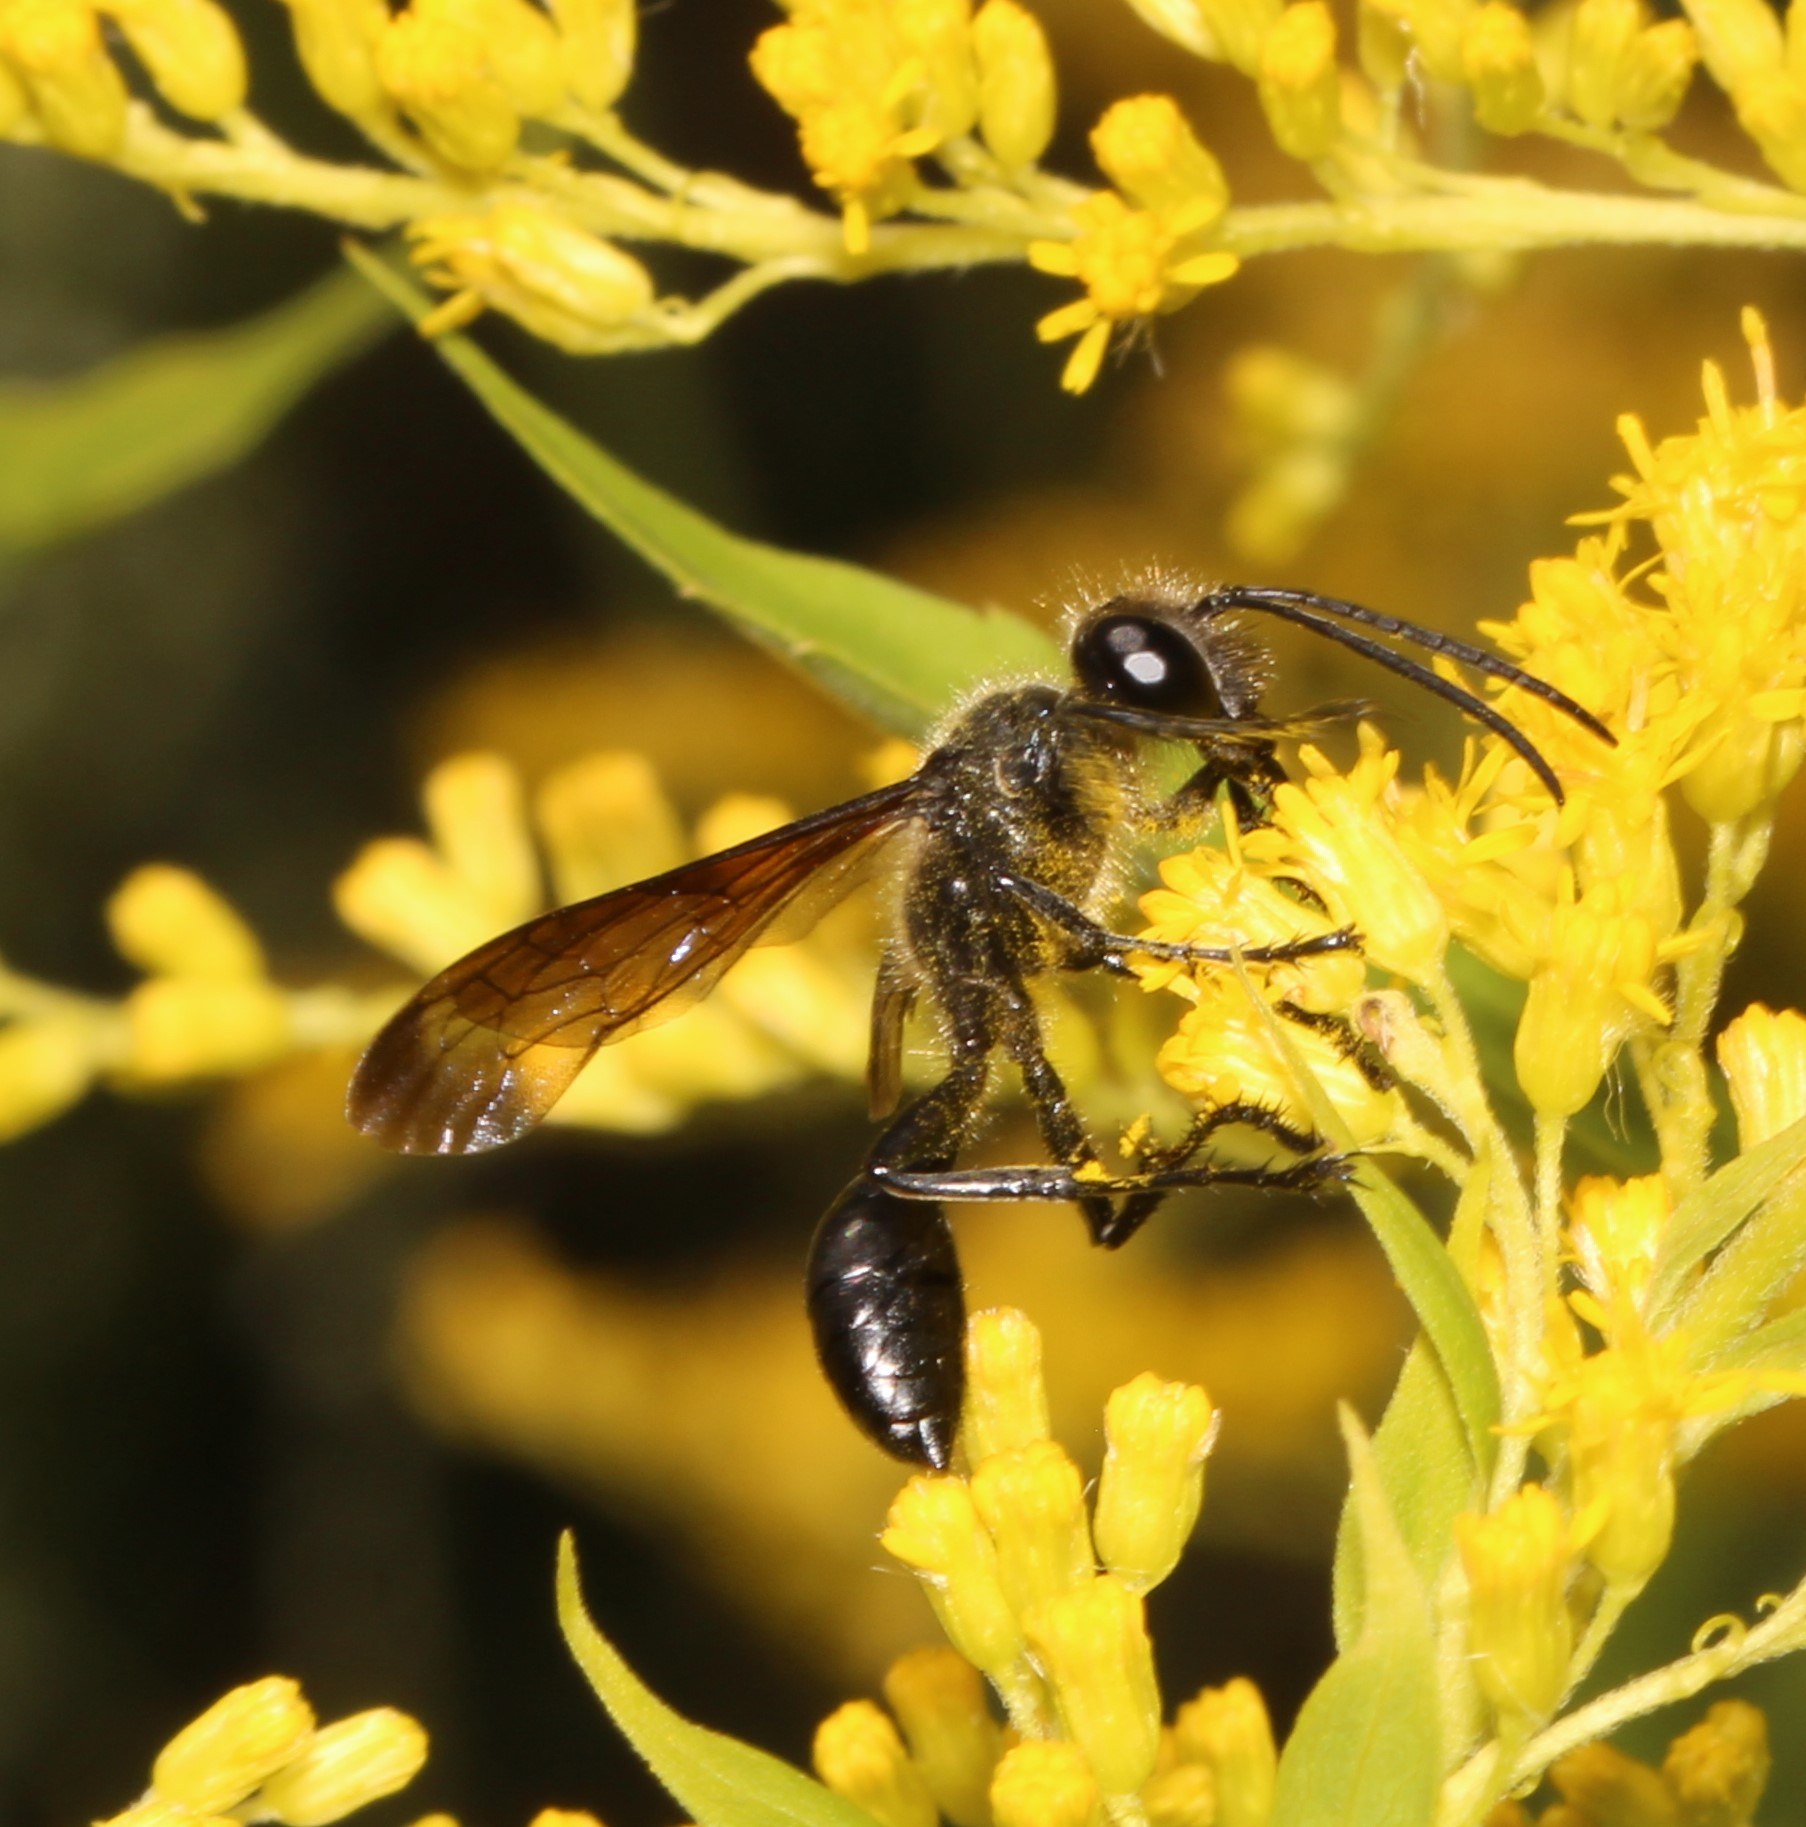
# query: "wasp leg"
886,1302
999,1185
1055,1115
1091,946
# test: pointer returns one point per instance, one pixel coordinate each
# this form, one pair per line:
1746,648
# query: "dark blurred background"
211,1466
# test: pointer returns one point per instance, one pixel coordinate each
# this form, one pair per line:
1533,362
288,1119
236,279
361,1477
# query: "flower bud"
1045,1783
336,41
1092,1642
245,1737
435,66
1226,1729
1147,149
170,923
939,1700
190,49
1006,1401
596,39
1185,1796
1602,1784
1717,1770
859,1755
190,1027
1152,1484
1032,1502
1763,1057
344,1767
1300,83
1015,83
45,1066
55,50
934,1528
1739,40
1519,1633
1500,62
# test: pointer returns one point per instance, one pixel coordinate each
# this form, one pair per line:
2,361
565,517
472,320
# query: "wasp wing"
491,1044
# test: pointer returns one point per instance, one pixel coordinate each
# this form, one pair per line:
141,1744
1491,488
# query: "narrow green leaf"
1443,1303
719,1780
1709,1214
76,454
900,655
1366,1751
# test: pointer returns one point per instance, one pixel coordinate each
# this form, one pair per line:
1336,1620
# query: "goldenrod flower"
345,1766
1220,899
1593,990
1226,1051
1718,1769
858,1754
1136,258
1231,31
1339,832
1499,60
567,286
1763,1055
1616,1227
939,1700
466,72
1227,1731
53,51
246,1736
1300,81
1045,1784
1152,1485
1727,505
1092,1641
1520,1637
872,86
1739,39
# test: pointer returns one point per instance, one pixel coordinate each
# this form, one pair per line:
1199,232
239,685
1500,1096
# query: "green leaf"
719,1780
1709,1214
902,656
76,454
1366,1751
1443,1303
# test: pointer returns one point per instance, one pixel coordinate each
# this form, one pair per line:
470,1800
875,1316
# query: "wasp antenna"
1308,610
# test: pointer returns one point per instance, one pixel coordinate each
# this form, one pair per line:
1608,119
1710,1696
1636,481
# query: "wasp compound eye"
889,1314
1145,661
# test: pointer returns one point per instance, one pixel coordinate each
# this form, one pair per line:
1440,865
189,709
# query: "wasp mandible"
1006,840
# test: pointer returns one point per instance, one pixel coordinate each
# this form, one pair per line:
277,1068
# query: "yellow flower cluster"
466,74
58,76
875,85
1045,1601
258,1753
1697,663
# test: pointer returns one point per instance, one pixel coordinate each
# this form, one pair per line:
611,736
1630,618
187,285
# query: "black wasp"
1006,839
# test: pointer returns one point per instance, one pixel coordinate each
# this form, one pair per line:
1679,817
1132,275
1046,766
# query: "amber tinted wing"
493,1042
